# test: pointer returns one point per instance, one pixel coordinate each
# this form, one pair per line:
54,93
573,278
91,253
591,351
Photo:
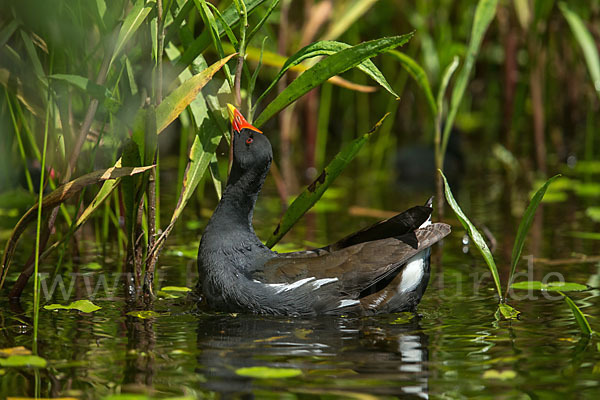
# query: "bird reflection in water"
337,356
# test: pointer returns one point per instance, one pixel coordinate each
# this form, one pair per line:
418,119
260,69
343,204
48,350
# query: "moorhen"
381,269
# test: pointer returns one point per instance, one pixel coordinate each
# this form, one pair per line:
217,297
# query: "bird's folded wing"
356,267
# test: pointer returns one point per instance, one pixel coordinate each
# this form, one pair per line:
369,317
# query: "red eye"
249,140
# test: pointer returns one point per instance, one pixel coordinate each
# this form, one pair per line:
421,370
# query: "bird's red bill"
238,121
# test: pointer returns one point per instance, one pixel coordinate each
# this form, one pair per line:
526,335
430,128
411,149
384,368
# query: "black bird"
380,269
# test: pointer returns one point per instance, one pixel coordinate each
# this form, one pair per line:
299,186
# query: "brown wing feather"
356,267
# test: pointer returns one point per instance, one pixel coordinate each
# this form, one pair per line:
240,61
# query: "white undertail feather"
415,267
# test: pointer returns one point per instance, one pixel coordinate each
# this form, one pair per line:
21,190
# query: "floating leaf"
85,306
315,190
474,234
501,375
581,320
176,289
525,224
333,65
145,314
13,351
507,312
93,266
268,372
23,361
550,286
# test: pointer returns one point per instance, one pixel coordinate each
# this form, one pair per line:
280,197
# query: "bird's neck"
235,210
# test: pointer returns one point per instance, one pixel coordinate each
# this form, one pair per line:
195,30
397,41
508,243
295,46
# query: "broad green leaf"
335,64
418,74
550,286
55,198
93,89
23,361
587,43
525,224
581,320
508,312
484,13
132,22
268,372
315,190
85,306
327,48
474,234
230,16
180,98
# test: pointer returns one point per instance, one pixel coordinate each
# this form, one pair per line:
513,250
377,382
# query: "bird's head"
251,149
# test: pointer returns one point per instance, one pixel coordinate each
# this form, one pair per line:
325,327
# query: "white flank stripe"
347,303
323,281
413,272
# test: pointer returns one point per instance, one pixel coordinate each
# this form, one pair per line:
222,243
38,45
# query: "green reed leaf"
418,74
580,318
473,234
315,190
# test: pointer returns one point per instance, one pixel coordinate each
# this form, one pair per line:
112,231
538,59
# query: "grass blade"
262,21
446,76
587,43
333,65
581,320
230,16
93,89
314,191
418,74
132,22
524,226
57,197
327,48
180,98
484,13
473,234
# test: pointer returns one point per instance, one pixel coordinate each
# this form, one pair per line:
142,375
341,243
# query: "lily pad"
268,372
23,361
85,306
550,286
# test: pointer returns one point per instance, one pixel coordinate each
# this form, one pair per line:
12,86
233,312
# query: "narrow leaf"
93,89
8,31
581,320
418,74
474,234
327,48
315,190
132,22
484,14
586,42
335,64
446,76
180,98
54,199
525,224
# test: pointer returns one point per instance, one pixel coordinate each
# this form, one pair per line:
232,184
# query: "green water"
453,348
